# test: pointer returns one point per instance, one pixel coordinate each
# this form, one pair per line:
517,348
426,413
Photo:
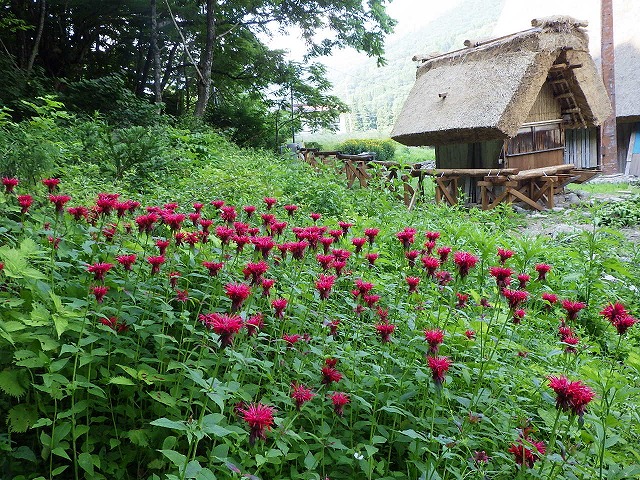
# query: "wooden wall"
546,107
528,161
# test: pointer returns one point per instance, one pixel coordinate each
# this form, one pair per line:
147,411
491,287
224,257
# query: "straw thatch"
627,64
486,92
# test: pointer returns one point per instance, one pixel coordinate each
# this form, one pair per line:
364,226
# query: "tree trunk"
36,42
206,62
145,73
157,81
169,68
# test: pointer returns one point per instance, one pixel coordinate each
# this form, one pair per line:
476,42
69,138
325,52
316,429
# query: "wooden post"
608,139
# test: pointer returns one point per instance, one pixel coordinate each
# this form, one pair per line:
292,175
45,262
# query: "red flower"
249,210
571,396
502,275
523,278
371,234
339,400
99,291
624,324
326,243
572,308
443,253
371,300
542,269
432,236
263,245
614,312
333,327
213,267
9,184
413,283
443,277
255,271
259,417
297,249
358,242
51,183
406,237
226,326
463,298
514,297
155,262
518,315
470,334
162,245
291,209
237,293
126,261
363,287
301,394
434,339
324,260
384,330
330,374
106,202
146,222
505,255
115,324
411,256
439,367
228,213
217,203
430,264
197,206
59,201
315,216
173,279
25,202
464,261
279,304
205,223
99,270
371,258
551,299
254,324
270,202
324,284
571,342
291,339
527,455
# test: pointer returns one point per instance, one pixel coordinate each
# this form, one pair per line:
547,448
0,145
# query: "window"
536,138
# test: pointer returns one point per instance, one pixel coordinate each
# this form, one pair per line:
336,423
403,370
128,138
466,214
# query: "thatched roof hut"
490,89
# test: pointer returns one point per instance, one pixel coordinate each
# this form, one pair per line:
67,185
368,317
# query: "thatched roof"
486,92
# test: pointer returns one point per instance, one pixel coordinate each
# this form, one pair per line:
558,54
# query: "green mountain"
376,94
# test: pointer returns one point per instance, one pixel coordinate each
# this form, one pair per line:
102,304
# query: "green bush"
384,149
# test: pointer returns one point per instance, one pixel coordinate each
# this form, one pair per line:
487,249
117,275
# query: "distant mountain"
376,94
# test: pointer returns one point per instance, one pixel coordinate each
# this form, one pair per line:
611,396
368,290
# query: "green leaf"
39,316
15,262
61,453
211,425
166,423
163,397
176,458
21,418
10,383
413,434
139,437
61,323
120,380
86,462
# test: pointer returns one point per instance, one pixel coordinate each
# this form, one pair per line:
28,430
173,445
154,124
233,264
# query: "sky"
410,15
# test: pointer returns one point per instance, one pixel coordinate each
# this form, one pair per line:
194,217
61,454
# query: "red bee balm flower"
371,258
99,291
279,304
99,270
155,262
301,394
254,324
25,202
572,308
505,255
430,264
213,267
384,330
324,284
514,297
59,201
542,269
9,184
571,396
624,324
126,261
291,209
371,234
339,400
259,417
443,253
413,283
237,293
502,275
525,455
434,339
270,202
439,367
115,324
465,261
51,183
226,326
329,373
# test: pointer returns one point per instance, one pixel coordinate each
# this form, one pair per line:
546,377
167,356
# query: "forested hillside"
376,94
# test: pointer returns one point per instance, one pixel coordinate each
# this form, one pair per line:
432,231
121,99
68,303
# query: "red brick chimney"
609,144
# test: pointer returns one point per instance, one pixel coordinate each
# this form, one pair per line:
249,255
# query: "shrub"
384,149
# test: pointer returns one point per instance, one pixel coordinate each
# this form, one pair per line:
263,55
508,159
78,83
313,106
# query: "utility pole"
608,140
293,128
